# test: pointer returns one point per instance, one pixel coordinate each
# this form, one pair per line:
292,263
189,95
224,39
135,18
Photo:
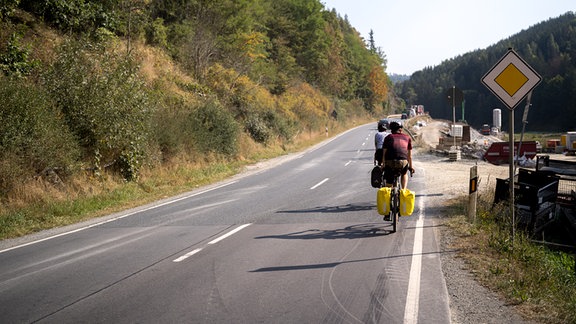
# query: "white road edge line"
413,296
117,218
319,184
236,230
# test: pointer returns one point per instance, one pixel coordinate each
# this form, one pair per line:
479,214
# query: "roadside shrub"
282,126
33,137
306,104
171,130
213,129
76,16
105,104
15,61
258,130
157,33
7,7
262,127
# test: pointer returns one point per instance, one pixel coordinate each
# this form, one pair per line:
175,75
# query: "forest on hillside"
106,85
548,47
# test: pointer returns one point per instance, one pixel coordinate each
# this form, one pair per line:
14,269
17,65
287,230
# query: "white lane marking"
413,296
348,163
319,184
236,230
216,240
187,255
117,218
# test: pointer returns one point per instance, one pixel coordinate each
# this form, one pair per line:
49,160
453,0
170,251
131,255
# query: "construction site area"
544,177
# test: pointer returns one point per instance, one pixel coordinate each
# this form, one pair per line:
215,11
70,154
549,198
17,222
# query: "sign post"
511,79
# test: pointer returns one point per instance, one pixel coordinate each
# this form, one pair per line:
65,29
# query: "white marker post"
473,194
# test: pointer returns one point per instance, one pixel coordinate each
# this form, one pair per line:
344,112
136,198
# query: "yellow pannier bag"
383,200
407,198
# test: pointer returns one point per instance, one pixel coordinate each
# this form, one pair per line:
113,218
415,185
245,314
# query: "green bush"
213,129
105,104
77,16
265,125
258,129
158,33
170,132
33,137
15,61
7,7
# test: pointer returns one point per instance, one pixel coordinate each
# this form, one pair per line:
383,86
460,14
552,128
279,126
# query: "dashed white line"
319,184
216,240
187,255
237,229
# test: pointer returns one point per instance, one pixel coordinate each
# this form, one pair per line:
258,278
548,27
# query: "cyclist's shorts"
391,165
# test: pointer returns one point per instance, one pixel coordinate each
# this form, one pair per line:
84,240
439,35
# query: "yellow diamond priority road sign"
511,79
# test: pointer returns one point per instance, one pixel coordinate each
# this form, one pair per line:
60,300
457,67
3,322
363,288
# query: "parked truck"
568,142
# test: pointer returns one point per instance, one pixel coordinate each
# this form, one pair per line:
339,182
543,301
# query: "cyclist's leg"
388,175
378,157
404,177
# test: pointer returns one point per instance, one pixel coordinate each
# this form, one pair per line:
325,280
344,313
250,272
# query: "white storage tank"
497,118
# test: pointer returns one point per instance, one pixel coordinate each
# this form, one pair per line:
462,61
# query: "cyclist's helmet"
394,126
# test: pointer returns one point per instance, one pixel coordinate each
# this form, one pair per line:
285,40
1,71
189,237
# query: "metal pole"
524,122
511,163
454,114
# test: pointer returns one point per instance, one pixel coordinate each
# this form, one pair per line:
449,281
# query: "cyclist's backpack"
376,177
407,198
383,200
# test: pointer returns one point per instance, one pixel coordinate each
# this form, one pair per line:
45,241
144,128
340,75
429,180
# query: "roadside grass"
99,197
39,205
540,282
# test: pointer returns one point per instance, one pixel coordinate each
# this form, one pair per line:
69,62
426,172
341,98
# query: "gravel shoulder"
470,302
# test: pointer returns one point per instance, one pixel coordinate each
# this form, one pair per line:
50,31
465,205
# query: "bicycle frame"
395,198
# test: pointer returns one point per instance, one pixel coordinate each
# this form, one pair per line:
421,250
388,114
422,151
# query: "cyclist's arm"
410,162
383,157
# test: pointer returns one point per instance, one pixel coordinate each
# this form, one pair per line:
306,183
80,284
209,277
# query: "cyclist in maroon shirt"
397,153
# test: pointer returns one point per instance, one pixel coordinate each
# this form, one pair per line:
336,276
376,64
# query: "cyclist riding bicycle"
378,142
397,152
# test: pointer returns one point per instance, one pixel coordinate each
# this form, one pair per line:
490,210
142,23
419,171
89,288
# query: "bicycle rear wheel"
395,209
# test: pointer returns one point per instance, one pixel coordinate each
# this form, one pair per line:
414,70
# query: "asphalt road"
297,242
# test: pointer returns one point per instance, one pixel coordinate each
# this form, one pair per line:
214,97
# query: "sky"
415,34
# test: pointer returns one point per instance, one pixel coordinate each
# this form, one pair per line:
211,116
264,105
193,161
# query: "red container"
499,152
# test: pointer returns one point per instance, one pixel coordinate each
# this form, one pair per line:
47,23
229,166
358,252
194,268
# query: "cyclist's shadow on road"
349,232
353,207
